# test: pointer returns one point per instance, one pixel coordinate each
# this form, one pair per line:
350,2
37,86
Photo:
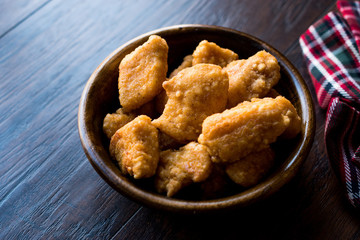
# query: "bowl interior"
100,97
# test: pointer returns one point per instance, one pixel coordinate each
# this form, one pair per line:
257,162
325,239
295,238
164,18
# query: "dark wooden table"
48,189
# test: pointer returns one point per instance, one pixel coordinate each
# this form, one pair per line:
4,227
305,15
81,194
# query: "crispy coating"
135,146
249,170
194,93
209,52
252,78
187,62
114,121
178,169
248,127
142,72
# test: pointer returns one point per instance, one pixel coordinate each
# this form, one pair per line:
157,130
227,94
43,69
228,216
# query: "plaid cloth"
331,50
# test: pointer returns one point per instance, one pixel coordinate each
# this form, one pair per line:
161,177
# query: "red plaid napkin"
331,50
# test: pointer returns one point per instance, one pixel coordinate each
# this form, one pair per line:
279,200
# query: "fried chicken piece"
114,121
142,72
252,78
135,146
209,52
187,62
178,169
194,93
249,170
248,127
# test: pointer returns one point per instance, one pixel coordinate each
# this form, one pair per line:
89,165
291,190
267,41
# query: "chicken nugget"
178,169
249,170
135,146
194,93
187,62
209,52
248,127
252,78
114,121
142,72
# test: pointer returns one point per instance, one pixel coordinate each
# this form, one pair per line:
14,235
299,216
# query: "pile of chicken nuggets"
215,116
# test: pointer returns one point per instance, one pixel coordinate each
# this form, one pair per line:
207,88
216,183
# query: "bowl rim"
245,198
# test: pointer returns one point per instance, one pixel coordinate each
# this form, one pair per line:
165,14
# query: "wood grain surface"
48,189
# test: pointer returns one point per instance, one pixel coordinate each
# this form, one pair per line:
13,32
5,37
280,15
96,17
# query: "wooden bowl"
100,97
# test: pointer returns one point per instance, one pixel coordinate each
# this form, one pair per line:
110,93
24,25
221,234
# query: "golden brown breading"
142,72
248,127
194,93
178,169
114,121
209,52
135,146
252,78
187,62
249,170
